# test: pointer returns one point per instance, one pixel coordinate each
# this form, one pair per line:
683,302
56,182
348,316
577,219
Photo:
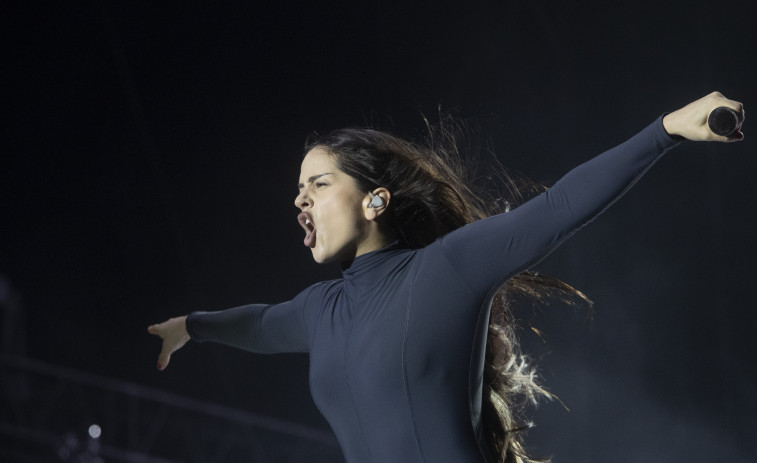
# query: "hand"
690,121
174,334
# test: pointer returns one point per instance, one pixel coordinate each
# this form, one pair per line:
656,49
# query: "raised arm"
690,122
490,250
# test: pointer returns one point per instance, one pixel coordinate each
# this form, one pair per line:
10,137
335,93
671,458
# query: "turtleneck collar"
371,260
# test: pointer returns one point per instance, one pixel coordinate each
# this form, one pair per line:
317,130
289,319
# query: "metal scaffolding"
52,413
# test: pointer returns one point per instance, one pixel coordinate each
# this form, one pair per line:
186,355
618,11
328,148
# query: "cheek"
345,221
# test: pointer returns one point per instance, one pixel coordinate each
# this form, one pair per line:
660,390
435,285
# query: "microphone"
723,121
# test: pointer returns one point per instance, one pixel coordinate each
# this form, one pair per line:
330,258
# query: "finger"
736,136
157,330
163,359
719,99
733,104
738,107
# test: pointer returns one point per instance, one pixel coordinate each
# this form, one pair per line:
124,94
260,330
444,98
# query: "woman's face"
332,209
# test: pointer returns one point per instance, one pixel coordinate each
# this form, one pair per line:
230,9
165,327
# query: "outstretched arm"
255,327
490,250
261,328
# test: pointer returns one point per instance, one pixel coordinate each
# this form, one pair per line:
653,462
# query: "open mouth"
306,222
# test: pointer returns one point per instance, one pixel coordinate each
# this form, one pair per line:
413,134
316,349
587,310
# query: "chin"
319,256
322,257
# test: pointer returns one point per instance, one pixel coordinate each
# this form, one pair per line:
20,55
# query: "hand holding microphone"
711,118
723,121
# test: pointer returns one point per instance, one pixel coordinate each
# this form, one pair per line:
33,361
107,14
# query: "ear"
376,202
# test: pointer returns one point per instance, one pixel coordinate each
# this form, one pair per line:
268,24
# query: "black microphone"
723,121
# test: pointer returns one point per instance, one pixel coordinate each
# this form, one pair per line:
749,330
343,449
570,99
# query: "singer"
413,356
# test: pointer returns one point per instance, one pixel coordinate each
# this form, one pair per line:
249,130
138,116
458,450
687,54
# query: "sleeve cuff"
191,326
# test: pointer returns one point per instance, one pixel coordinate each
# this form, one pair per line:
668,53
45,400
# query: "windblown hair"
434,191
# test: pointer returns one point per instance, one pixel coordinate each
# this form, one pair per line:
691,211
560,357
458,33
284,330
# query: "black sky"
151,152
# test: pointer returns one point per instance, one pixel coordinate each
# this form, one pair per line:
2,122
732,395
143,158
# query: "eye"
320,184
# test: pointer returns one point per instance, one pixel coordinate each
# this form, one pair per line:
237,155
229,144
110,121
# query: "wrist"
184,332
670,125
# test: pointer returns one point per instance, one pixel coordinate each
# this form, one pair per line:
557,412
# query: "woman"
397,346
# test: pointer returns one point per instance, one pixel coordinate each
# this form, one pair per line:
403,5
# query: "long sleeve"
258,328
488,251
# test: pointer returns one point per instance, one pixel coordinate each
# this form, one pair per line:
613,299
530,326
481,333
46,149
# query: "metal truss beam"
46,412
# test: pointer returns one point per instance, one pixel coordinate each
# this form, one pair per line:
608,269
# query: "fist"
690,122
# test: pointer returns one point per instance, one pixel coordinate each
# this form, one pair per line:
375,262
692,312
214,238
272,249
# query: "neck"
376,237
374,244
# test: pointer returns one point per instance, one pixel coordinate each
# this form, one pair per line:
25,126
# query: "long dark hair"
435,190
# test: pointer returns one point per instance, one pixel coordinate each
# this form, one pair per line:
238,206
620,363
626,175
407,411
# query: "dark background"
150,153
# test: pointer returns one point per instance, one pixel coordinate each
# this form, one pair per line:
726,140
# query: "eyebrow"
312,179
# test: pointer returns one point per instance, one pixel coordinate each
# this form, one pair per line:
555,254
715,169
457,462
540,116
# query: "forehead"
317,161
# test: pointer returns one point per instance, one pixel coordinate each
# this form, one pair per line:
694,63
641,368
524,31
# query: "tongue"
306,222
310,239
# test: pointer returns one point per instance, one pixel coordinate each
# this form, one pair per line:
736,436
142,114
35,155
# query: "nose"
302,200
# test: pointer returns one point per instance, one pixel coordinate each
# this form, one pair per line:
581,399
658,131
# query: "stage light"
95,431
